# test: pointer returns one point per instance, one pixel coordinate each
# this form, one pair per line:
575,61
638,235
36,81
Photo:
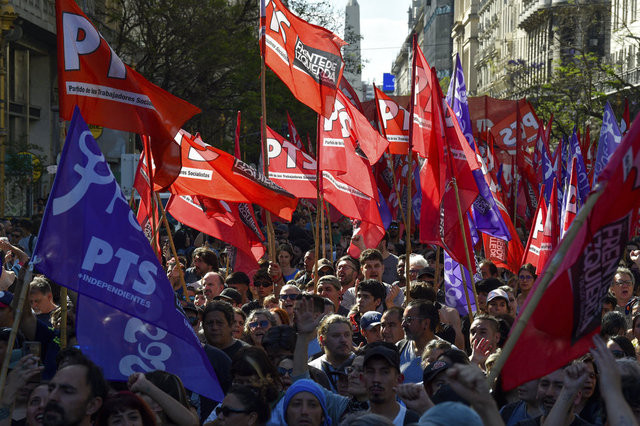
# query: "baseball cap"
231,295
388,351
6,297
370,319
498,292
326,263
433,369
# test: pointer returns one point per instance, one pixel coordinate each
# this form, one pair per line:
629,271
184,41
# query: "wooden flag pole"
330,231
460,220
545,279
271,239
437,273
153,207
172,245
318,205
407,226
24,278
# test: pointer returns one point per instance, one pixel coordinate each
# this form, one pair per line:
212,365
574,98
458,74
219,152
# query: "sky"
383,26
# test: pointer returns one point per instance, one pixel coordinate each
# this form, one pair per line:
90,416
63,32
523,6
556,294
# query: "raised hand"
306,321
480,352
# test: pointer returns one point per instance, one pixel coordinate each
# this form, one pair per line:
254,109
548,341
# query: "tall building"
33,135
465,38
352,55
431,21
624,48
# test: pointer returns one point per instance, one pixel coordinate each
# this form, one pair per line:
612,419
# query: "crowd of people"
333,340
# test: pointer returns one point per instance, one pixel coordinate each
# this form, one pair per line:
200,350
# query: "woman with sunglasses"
526,277
257,324
243,405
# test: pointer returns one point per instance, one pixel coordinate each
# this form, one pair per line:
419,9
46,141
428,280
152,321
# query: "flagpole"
437,277
24,278
317,224
330,232
172,245
460,220
63,318
407,223
154,225
548,274
265,152
320,203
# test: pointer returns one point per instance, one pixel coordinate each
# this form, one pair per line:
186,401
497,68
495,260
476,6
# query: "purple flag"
454,287
91,242
544,165
486,215
583,178
610,136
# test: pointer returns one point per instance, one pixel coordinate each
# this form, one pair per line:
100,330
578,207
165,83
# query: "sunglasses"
289,296
263,284
285,371
226,411
261,324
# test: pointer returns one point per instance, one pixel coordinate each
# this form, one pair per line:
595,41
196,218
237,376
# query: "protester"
391,325
288,295
622,288
305,404
41,298
125,408
217,323
526,277
243,405
258,323
419,322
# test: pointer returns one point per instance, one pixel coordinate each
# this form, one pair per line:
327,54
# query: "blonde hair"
329,320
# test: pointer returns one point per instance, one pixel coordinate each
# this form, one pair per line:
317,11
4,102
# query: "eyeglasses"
285,371
262,284
261,324
411,319
289,296
226,411
525,277
621,282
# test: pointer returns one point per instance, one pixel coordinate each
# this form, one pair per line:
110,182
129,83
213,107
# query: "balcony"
38,12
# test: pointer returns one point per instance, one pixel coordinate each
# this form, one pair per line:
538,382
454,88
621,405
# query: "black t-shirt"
234,348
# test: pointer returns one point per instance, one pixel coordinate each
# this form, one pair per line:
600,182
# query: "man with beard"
382,376
419,322
348,270
76,392
204,260
334,334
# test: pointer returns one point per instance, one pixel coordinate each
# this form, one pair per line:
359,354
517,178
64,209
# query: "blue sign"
91,242
388,82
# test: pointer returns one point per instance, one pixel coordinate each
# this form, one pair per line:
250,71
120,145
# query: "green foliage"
206,52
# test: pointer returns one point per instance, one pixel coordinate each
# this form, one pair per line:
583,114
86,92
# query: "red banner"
113,95
394,121
306,57
290,167
569,313
214,173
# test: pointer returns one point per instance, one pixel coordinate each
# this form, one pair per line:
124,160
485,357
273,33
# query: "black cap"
433,369
230,295
385,350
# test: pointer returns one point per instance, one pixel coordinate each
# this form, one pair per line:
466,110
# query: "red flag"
291,167
536,236
142,185
306,57
113,95
394,122
189,211
213,173
356,205
570,208
349,143
348,91
293,133
237,144
569,313
551,235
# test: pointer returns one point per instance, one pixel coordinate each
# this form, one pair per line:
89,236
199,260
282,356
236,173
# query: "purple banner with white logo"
486,216
91,242
610,137
454,287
